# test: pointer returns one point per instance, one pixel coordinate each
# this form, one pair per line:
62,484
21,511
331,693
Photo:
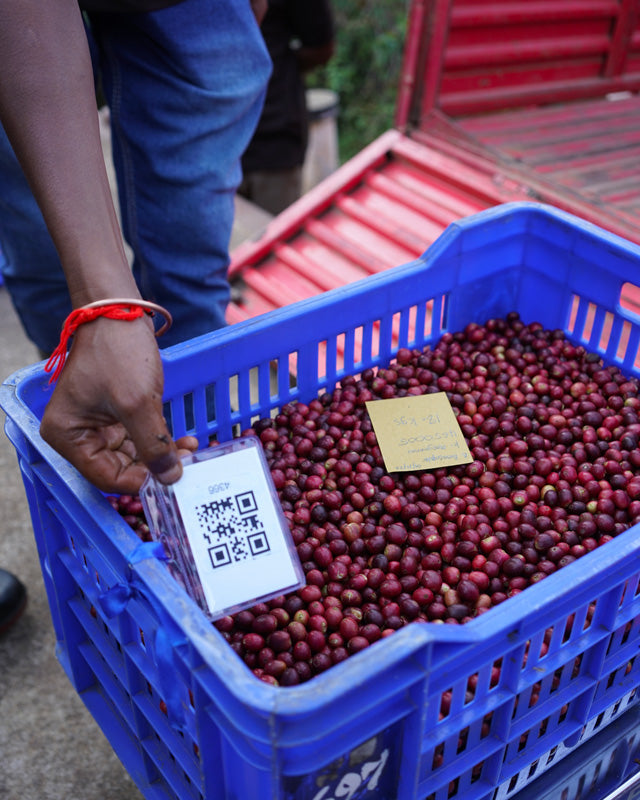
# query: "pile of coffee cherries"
553,434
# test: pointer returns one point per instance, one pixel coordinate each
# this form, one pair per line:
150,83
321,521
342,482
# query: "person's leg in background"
272,190
30,265
13,599
185,87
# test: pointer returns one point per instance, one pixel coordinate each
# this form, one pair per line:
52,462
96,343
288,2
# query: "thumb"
153,442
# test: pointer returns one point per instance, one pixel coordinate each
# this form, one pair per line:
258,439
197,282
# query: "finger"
113,476
153,443
188,444
111,470
105,453
117,439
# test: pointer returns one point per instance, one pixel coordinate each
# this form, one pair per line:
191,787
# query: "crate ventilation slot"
370,344
614,338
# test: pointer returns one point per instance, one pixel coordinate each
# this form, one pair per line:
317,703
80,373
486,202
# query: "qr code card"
223,528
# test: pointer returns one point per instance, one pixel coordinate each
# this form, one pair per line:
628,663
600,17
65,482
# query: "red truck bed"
548,88
381,209
498,101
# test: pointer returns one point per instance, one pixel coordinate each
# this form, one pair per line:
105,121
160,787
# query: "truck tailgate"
382,208
499,100
590,147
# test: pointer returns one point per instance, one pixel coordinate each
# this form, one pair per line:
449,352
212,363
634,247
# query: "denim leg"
29,261
185,86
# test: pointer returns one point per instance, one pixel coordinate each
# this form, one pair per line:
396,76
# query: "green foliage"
365,69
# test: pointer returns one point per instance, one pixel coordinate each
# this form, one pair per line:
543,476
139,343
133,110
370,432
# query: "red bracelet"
115,308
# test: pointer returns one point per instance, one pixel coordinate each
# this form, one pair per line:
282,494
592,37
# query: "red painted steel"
497,100
590,148
625,40
489,53
529,86
482,56
517,177
381,209
551,115
411,66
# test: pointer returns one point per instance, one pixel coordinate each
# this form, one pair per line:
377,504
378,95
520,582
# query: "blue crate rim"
501,621
500,214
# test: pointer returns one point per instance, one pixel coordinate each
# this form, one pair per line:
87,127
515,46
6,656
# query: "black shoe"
13,599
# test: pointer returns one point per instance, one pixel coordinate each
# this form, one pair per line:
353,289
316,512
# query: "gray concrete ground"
50,746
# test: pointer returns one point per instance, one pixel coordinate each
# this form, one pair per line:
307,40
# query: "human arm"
311,57
259,8
111,387
313,25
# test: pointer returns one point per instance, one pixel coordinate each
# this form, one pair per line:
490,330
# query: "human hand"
105,413
259,9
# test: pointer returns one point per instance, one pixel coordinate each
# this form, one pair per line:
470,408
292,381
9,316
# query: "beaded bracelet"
112,308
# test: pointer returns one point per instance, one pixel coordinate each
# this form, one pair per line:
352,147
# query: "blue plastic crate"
369,727
602,766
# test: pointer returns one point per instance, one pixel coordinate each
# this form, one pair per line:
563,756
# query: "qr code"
232,527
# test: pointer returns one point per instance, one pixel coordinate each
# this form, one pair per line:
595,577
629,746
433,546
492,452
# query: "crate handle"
113,602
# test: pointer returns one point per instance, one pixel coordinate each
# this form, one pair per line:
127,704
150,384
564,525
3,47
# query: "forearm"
311,57
47,107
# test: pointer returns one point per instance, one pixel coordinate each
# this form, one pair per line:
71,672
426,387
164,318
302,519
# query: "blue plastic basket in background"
368,728
604,765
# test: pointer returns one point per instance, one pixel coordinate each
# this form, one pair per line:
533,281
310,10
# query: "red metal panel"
488,53
343,235
437,203
403,210
532,33
507,12
590,148
450,179
313,259
451,156
411,66
252,305
540,143
279,285
507,97
484,55
381,209
389,219
552,154
429,42
624,38
623,193
315,202
510,124
486,89
375,249
419,199
591,175
545,185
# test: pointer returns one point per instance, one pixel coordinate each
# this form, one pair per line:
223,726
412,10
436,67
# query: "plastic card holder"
223,529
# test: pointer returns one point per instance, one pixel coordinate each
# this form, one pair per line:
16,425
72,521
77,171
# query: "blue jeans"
185,87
